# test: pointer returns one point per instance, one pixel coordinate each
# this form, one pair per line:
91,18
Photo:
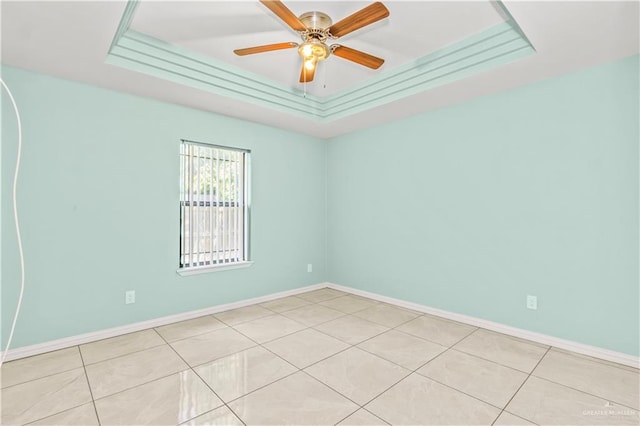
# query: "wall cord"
15,217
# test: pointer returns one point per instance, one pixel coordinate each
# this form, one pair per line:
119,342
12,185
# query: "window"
214,208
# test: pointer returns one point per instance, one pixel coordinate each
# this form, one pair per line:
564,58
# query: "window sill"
205,269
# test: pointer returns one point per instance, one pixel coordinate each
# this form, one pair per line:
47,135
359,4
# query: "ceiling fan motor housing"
316,20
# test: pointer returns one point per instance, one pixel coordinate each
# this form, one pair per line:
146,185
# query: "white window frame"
213,239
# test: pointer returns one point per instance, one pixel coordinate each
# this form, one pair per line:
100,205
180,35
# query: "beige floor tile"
547,403
350,329
285,304
404,349
437,330
512,352
219,417
313,315
84,415
216,344
139,379
606,381
485,380
349,304
44,397
356,374
240,315
295,400
118,374
189,328
321,295
508,419
387,315
167,401
38,366
306,347
268,328
418,400
120,345
236,375
362,418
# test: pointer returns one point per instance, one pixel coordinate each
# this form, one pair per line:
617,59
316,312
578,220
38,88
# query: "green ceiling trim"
146,54
125,21
495,46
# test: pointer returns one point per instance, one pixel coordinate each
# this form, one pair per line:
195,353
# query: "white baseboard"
569,345
593,351
80,339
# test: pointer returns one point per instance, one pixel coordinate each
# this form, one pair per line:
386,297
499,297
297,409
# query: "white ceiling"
71,40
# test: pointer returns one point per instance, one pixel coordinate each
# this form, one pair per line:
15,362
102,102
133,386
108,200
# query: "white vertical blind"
196,209
213,208
189,236
183,183
225,211
216,185
235,210
211,203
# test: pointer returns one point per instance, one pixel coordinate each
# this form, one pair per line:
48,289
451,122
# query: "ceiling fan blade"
283,12
357,56
306,75
370,14
265,48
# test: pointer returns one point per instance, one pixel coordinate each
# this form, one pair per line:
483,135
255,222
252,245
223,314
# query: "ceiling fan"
316,28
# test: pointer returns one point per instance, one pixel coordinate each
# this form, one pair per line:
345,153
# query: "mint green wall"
98,200
470,208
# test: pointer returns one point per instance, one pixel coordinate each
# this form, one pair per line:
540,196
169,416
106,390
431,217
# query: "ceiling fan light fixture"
314,48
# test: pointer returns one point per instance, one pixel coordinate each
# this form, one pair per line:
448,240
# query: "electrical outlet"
129,297
309,267
532,302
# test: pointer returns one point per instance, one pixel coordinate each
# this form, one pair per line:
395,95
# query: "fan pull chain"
324,76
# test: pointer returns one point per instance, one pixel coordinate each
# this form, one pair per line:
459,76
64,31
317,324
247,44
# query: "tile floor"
322,357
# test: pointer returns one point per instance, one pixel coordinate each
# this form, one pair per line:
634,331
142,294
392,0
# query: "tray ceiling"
214,29
480,38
